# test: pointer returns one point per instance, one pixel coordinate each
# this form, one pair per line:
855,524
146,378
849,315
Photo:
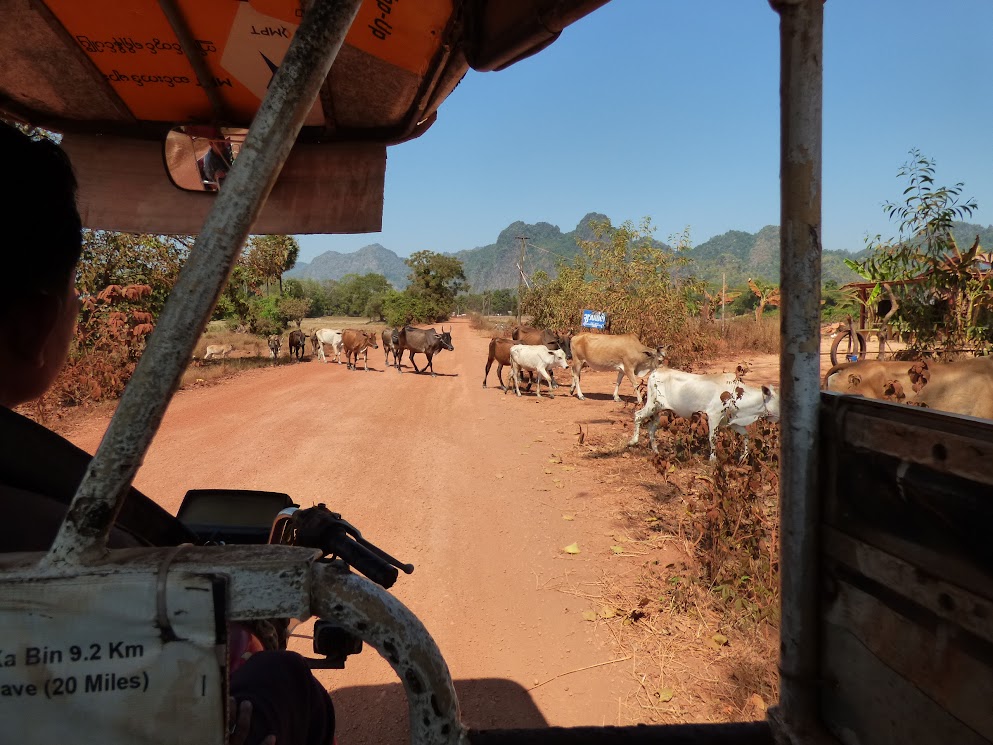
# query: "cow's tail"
837,368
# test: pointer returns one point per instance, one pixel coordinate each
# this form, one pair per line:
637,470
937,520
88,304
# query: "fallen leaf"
568,517
617,549
548,470
498,475
719,639
572,548
589,615
607,612
666,694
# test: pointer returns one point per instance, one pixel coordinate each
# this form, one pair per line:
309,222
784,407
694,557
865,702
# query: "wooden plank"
945,600
898,679
961,455
935,521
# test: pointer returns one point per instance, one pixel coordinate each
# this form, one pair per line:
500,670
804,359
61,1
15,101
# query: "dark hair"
42,228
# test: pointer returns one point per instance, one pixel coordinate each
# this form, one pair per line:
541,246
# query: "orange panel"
242,43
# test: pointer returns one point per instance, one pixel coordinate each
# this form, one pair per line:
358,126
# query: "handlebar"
318,527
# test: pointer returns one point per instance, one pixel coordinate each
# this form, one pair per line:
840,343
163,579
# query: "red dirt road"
452,477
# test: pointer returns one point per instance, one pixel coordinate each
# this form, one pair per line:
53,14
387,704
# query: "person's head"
41,243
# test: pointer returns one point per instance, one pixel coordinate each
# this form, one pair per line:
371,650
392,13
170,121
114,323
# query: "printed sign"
85,660
594,319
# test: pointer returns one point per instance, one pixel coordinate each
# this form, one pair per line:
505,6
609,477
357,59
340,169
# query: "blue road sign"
594,319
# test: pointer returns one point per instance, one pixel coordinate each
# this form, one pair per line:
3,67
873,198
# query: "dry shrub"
734,518
479,322
109,339
705,340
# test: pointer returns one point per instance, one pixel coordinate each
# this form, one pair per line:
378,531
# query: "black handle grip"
362,559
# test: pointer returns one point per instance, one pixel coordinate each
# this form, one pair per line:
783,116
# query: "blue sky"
670,109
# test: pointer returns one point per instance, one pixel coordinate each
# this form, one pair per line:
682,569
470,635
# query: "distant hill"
737,254
494,267
372,258
742,256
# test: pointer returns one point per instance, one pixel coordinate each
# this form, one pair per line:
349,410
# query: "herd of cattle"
963,387
355,342
723,397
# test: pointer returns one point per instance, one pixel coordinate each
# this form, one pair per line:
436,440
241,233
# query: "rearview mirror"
199,157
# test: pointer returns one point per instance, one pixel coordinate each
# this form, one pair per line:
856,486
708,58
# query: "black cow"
391,344
423,341
298,343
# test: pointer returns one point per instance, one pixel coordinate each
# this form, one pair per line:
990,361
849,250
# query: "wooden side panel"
906,573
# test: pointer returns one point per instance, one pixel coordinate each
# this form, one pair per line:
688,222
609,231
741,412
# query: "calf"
274,343
551,339
315,343
357,342
622,352
218,350
298,344
331,337
391,344
725,400
535,357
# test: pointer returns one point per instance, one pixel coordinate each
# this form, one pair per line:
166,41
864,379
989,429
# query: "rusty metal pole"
83,535
801,90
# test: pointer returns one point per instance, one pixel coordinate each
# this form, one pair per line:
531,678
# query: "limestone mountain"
372,258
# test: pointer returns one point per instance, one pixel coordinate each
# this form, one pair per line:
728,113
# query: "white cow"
331,337
218,350
536,357
725,400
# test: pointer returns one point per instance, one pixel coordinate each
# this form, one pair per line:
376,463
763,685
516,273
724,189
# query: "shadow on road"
377,715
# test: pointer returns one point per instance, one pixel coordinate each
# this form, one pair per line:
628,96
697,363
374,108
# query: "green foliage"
266,317
294,308
131,259
401,308
624,272
943,294
267,256
488,303
435,280
351,294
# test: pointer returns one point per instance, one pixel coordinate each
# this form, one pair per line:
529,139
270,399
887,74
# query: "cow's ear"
766,392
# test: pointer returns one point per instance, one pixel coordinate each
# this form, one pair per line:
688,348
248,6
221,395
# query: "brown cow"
500,352
298,344
871,378
357,342
961,387
622,352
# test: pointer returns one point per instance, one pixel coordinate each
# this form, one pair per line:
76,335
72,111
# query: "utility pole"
724,295
520,274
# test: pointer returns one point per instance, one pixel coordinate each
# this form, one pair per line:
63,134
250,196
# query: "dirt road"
457,479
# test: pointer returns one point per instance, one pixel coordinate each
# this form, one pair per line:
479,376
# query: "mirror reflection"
198,157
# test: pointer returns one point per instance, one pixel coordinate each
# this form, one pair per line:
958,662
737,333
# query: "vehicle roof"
116,70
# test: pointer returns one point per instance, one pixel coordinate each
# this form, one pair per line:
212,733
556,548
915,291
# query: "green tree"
624,272
436,280
354,292
123,259
268,256
943,294
294,308
401,308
